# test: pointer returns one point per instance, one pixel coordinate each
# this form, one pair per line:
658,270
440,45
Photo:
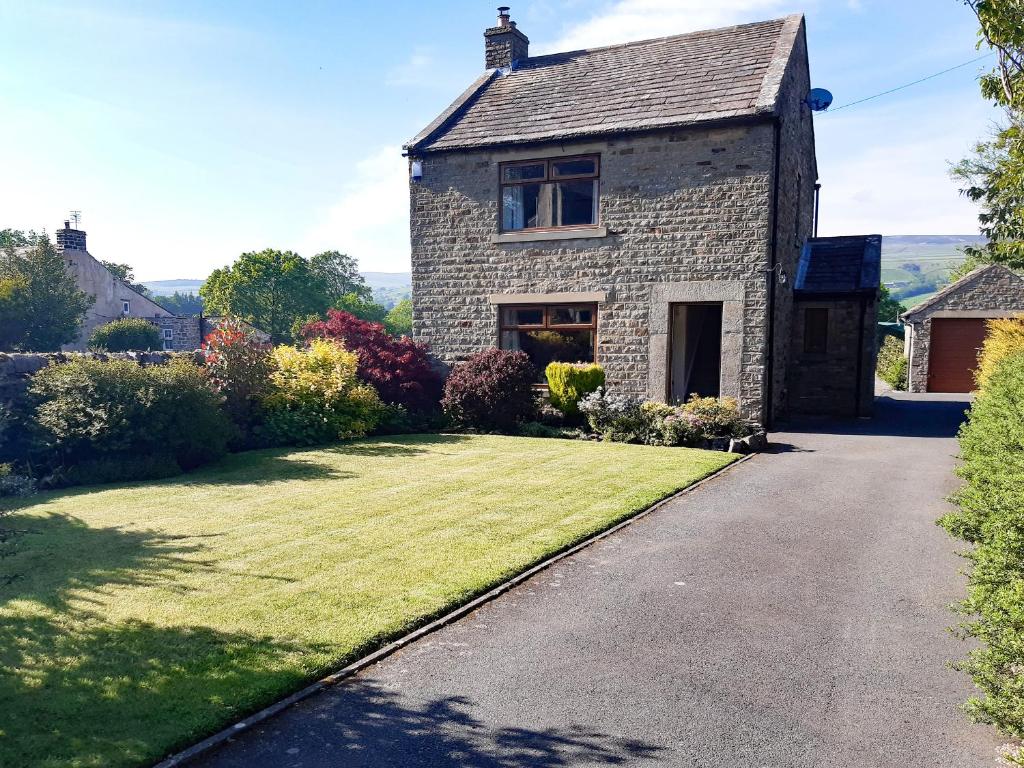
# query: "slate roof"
965,281
667,82
848,264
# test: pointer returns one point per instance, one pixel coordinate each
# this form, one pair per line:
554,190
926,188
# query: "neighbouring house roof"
848,264
964,282
673,81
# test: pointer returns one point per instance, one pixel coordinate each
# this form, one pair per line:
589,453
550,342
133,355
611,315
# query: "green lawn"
146,616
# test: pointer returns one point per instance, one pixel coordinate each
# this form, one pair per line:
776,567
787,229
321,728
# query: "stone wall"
17,368
798,172
689,205
989,292
825,384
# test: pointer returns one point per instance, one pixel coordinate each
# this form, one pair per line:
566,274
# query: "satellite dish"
818,99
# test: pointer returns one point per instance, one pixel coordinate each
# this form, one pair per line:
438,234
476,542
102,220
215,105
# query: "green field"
143,617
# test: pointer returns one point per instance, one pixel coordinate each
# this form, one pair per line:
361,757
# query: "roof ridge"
680,35
970,277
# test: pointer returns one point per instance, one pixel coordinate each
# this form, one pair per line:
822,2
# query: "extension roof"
848,264
700,77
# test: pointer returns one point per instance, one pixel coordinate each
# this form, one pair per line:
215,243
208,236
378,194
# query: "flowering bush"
238,366
316,396
492,390
398,368
624,419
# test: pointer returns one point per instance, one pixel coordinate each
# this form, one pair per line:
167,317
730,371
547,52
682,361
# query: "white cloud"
370,220
886,169
627,20
417,70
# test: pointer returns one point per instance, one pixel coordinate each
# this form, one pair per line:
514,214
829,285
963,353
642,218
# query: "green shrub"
92,412
568,382
316,396
990,516
13,484
128,334
892,364
1004,338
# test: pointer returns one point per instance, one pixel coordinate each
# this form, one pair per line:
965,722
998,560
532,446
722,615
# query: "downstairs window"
566,333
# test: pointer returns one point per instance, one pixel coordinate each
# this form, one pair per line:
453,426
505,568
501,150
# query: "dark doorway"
695,351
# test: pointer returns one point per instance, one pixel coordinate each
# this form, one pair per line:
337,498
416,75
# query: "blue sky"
188,132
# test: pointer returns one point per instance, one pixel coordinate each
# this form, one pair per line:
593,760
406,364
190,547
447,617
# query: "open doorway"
695,351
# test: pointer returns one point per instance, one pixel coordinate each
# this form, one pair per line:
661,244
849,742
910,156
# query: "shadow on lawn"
99,693
363,725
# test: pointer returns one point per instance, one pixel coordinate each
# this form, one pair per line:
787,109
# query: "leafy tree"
362,307
19,238
128,334
124,273
182,303
43,297
398,320
338,275
889,309
269,289
12,313
993,175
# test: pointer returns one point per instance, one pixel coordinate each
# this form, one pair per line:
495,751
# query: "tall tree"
126,275
993,176
339,275
269,289
42,296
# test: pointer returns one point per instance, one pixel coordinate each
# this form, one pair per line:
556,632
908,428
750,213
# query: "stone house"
643,205
945,332
114,300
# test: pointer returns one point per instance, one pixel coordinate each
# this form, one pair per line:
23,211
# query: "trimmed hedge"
569,382
991,517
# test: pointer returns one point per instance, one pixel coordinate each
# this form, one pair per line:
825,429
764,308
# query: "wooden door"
954,353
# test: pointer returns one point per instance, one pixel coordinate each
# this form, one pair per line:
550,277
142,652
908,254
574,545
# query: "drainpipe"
817,205
772,263
860,355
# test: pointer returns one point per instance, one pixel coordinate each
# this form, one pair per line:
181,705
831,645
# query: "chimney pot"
504,45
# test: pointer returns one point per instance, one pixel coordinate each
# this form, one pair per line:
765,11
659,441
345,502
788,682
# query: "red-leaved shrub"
398,367
492,390
238,366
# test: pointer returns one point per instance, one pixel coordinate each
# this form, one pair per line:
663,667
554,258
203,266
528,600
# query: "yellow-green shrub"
1004,338
316,396
568,382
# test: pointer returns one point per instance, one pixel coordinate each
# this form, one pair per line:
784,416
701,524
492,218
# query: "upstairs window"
566,333
545,194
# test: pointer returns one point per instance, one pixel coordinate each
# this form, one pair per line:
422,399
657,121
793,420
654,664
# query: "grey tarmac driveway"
791,612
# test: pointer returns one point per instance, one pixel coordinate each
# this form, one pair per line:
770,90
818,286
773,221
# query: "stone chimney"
69,239
504,45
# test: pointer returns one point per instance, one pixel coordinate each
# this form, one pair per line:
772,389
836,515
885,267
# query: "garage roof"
847,264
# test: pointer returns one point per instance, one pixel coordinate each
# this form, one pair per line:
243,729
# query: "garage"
954,353
944,333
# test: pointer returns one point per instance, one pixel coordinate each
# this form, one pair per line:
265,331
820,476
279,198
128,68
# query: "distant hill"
389,288
919,265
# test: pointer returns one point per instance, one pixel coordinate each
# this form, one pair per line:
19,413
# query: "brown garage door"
954,353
